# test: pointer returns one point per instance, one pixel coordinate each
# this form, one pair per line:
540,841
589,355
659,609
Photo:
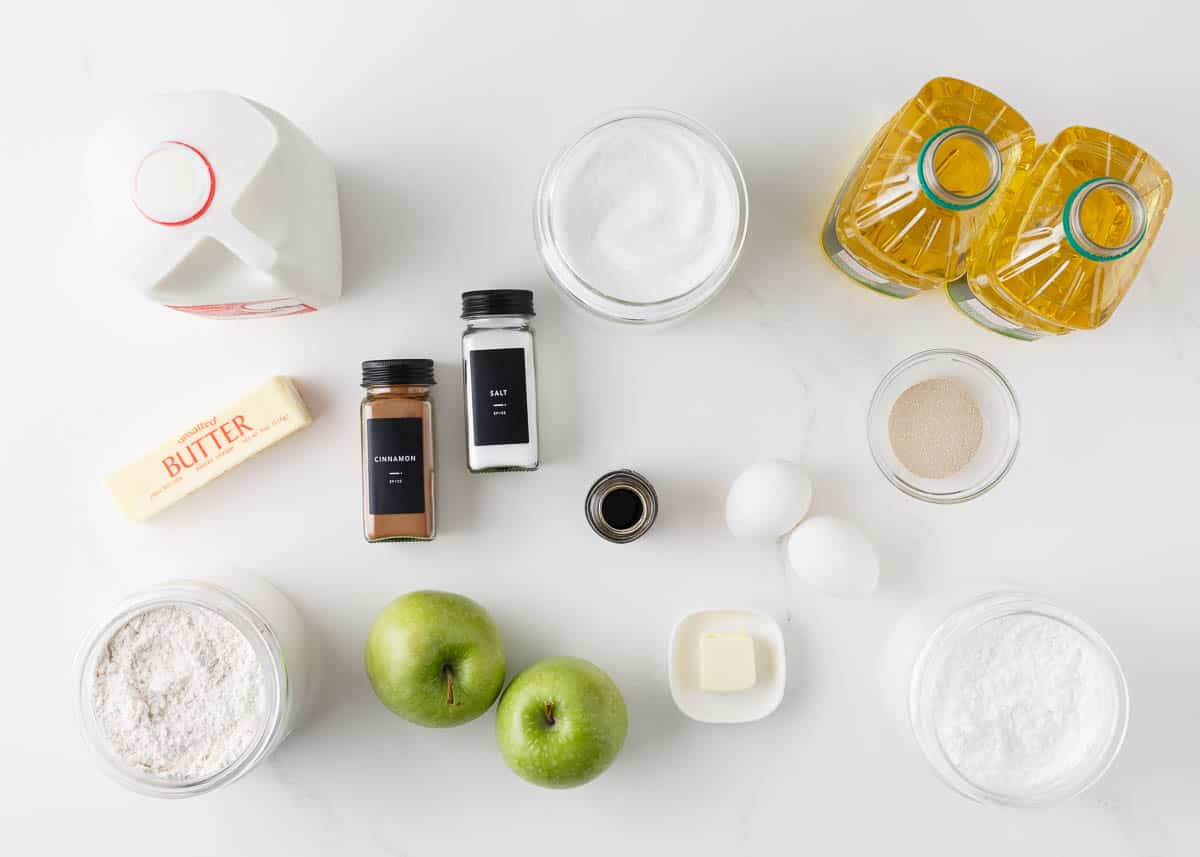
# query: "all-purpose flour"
1024,702
178,692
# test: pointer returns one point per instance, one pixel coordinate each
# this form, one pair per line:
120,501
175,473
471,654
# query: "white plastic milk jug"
215,205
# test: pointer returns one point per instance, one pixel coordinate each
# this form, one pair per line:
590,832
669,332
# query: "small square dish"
770,662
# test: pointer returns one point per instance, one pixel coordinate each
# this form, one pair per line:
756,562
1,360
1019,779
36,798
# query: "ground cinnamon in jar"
397,451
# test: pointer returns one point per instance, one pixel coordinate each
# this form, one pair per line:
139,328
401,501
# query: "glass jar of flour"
192,683
500,380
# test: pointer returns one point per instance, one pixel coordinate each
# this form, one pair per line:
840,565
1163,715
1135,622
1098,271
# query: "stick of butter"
214,445
727,663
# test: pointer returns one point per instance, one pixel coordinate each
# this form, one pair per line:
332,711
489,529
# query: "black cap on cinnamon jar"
409,372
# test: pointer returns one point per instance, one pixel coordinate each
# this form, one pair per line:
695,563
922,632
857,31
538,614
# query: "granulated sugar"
1024,702
645,209
178,692
935,427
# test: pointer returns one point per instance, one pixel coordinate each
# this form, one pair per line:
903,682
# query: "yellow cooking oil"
909,210
1065,242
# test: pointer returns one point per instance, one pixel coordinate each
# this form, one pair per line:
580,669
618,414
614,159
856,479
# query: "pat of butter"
727,663
215,444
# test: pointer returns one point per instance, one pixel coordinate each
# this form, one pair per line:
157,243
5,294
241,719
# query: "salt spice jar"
397,451
500,380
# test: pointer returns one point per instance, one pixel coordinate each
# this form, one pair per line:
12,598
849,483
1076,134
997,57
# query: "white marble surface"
440,117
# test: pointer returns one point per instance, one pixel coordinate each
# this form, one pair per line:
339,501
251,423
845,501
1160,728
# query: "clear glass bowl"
592,296
997,405
941,644
275,632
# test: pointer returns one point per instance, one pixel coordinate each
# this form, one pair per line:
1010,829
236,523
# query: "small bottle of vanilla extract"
500,380
397,451
621,506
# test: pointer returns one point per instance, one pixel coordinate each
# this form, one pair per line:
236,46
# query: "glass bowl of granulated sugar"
943,426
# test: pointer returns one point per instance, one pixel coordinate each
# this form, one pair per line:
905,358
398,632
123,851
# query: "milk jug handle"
244,243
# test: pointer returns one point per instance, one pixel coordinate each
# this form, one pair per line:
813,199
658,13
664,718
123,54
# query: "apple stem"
549,713
449,685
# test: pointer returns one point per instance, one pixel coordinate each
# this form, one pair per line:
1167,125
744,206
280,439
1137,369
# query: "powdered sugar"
1023,703
178,692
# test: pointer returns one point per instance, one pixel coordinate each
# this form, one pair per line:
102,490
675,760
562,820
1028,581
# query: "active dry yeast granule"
935,427
178,692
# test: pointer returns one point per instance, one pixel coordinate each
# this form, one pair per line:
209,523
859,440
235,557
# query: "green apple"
435,658
561,723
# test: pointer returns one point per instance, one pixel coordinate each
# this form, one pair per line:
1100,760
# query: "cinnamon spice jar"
397,451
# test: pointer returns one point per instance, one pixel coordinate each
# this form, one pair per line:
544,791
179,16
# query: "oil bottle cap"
959,167
1104,219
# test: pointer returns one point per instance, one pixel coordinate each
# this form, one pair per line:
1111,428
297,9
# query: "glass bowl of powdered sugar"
642,218
190,684
943,426
1017,702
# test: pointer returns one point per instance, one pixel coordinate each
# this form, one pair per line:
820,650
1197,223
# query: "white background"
440,117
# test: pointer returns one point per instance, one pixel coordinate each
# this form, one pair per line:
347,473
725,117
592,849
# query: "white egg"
834,556
767,500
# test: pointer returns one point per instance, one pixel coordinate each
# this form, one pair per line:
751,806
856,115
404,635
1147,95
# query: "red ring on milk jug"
157,211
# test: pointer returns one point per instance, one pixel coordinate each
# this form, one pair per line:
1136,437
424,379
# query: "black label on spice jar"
499,403
396,466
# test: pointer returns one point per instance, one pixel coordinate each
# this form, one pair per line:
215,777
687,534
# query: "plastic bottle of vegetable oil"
906,216
1066,241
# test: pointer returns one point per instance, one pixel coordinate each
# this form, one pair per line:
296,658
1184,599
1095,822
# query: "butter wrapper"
212,446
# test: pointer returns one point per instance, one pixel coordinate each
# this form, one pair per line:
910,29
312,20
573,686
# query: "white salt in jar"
642,218
500,381
192,683
1012,700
